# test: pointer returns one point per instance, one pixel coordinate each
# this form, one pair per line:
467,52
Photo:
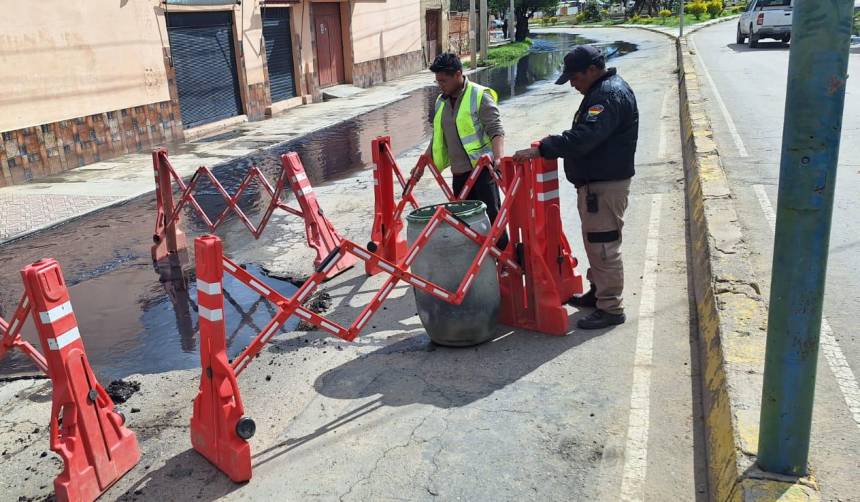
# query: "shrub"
591,11
665,14
553,20
715,8
580,18
635,19
696,9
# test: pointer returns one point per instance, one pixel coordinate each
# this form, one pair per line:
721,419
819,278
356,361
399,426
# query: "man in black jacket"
598,153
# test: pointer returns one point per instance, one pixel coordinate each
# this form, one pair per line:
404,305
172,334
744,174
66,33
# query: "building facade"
434,28
88,80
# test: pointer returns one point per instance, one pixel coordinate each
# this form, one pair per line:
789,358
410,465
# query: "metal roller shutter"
279,53
201,45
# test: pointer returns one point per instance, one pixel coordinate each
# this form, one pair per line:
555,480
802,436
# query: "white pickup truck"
765,19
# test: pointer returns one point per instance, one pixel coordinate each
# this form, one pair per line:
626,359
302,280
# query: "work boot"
589,299
600,319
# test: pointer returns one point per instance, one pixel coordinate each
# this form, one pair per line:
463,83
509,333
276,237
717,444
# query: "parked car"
765,19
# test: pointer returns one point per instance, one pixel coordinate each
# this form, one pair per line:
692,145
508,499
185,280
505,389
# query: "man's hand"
527,154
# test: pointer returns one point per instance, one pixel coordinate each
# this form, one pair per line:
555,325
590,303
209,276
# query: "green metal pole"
815,98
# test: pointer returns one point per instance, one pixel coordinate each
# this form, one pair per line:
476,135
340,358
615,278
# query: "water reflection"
131,324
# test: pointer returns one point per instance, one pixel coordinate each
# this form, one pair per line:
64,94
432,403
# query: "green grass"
689,20
504,54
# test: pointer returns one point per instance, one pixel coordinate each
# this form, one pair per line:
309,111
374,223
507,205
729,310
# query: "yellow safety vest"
475,140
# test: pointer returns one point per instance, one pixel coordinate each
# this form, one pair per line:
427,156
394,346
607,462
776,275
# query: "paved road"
746,91
588,416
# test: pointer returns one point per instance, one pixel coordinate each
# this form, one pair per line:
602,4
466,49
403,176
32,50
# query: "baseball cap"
579,59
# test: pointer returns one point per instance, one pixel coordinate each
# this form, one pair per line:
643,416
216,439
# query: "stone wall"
39,151
377,71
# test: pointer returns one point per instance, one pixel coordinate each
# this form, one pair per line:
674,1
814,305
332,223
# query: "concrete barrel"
444,260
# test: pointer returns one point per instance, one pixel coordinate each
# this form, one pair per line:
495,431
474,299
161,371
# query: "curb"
731,314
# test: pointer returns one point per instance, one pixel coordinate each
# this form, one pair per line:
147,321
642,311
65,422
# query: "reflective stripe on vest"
475,141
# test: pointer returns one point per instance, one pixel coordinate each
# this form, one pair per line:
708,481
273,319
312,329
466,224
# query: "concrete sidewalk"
47,202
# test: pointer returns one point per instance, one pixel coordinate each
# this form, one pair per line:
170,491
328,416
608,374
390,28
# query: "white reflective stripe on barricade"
56,313
213,315
210,288
271,330
547,176
64,339
259,287
545,196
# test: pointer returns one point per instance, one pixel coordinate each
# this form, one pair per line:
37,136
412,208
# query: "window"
773,3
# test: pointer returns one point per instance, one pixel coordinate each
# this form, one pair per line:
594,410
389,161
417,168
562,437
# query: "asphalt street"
746,95
604,415
607,415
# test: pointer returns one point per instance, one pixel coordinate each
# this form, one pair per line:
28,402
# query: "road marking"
661,148
832,351
636,449
739,144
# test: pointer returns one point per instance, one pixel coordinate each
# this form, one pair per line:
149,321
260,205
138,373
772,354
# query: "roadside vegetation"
644,12
504,54
857,23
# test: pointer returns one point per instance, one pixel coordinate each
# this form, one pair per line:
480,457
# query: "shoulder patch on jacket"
593,112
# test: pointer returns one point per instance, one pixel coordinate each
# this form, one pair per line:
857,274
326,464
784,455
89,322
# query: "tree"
523,11
650,7
591,11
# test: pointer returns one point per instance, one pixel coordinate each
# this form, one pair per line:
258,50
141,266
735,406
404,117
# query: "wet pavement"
133,323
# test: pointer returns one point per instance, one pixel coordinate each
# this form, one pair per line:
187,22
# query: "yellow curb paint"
740,347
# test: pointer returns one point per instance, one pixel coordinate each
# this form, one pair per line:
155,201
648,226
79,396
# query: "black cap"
579,59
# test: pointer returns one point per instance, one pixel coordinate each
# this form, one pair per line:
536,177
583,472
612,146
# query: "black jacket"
601,143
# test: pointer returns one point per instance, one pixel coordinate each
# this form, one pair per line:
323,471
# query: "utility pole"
485,30
814,103
473,39
512,22
681,19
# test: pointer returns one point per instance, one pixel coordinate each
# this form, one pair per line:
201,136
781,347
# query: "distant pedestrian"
505,28
467,125
598,152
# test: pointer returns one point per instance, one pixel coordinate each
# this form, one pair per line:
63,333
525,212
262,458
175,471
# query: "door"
201,46
433,18
279,53
329,43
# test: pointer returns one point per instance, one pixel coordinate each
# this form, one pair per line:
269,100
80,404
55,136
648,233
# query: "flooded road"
133,323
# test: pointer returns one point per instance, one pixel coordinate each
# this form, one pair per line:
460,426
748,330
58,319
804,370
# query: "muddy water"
133,323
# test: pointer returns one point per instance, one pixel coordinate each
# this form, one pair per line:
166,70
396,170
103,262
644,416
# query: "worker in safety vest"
466,126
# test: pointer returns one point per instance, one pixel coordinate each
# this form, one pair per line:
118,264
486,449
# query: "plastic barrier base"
95,446
219,432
